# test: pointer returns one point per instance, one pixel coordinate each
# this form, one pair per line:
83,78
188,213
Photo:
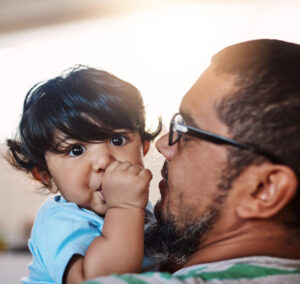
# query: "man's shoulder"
240,270
244,270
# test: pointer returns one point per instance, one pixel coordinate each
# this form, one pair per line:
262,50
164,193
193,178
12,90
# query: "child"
83,135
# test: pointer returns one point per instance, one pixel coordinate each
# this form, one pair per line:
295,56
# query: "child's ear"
146,146
44,177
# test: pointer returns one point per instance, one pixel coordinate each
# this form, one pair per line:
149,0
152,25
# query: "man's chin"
166,239
163,240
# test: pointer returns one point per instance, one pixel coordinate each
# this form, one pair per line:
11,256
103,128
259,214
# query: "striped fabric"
248,270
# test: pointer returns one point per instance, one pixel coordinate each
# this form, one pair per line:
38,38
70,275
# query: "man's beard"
164,239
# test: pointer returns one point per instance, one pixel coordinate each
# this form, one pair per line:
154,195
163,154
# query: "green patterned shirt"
247,270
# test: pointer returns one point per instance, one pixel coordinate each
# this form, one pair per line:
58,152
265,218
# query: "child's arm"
120,249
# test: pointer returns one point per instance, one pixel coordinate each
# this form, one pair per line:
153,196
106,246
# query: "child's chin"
101,210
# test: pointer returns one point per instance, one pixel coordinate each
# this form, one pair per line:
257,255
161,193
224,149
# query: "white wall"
161,50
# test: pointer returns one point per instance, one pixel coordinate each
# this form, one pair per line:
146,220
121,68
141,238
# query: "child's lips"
101,192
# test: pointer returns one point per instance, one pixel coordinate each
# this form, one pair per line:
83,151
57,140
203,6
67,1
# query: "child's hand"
126,185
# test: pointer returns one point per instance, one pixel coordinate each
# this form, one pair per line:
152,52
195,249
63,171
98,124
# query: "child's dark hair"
85,104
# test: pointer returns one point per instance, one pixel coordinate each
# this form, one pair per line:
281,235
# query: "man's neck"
247,241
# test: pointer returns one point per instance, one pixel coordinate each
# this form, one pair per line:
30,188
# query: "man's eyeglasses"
178,127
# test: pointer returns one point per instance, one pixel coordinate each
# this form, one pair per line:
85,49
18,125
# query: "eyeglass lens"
175,135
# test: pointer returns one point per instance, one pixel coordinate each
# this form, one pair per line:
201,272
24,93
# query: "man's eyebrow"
188,119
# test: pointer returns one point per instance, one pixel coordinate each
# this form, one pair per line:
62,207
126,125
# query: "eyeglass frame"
212,138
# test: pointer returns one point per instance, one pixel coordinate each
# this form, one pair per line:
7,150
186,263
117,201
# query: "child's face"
78,172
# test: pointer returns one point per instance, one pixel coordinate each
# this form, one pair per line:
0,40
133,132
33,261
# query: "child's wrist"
127,207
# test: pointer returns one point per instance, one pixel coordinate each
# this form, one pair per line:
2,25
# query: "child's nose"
102,159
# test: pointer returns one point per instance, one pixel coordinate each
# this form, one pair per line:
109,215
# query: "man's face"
190,198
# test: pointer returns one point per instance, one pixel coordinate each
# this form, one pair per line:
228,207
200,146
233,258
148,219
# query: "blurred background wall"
159,46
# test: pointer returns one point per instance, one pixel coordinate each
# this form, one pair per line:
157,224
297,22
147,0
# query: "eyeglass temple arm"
216,139
208,136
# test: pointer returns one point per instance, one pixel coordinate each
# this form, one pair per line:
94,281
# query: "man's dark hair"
265,110
83,103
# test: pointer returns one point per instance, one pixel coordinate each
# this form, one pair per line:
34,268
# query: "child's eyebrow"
122,131
63,144
60,140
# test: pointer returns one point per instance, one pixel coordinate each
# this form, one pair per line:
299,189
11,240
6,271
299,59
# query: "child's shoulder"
56,208
58,218
56,204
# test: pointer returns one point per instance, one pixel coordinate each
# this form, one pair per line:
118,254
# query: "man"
229,208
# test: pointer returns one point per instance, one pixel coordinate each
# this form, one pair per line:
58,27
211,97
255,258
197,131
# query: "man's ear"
273,188
146,146
44,177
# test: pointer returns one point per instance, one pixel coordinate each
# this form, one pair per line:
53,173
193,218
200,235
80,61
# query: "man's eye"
185,138
118,140
76,150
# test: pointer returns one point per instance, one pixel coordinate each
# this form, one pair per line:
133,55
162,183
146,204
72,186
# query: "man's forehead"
211,87
198,106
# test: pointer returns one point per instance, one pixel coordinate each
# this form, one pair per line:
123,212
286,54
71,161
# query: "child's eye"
76,150
118,140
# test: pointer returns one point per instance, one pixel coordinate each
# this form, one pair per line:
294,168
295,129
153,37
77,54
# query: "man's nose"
163,147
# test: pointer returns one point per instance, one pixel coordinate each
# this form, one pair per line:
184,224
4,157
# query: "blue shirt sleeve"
61,231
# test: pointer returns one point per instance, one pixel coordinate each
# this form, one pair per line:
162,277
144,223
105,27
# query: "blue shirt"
61,230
